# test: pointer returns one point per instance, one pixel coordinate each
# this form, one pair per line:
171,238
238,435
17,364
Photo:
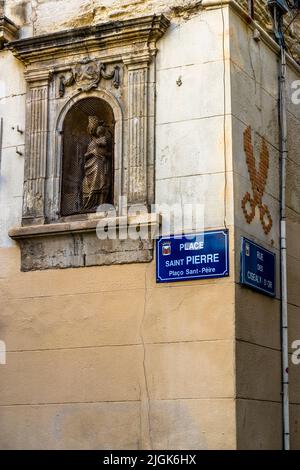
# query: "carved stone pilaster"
36,147
137,132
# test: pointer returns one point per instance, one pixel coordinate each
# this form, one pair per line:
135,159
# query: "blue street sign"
257,267
200,256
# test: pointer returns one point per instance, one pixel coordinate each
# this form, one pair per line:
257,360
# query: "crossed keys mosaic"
258,178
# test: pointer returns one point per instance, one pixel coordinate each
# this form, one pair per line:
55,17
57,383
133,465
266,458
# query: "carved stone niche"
89,141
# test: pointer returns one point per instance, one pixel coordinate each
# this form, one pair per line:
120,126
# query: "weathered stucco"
36,16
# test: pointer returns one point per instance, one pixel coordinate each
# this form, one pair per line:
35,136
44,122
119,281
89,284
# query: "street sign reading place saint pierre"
198,256
257,267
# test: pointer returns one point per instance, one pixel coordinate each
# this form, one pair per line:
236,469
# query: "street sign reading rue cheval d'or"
257,267
199,256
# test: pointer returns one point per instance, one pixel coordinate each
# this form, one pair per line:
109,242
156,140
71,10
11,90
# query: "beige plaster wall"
104,357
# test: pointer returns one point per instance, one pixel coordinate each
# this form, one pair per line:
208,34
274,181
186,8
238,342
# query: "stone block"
78,426
190,370
193,424
182,97
259,425
72,375
258,372
189,313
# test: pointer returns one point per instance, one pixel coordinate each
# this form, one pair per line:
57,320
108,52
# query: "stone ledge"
8,31
78,226
76,244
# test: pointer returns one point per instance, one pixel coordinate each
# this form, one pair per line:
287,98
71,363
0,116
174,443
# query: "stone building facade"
98,355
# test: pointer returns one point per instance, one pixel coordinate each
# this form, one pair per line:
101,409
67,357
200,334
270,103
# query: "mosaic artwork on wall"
258,178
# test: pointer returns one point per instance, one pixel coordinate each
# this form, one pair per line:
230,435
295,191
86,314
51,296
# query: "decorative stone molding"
115,38
8,30
113,62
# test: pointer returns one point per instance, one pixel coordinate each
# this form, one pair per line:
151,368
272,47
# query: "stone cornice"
8,31
144,32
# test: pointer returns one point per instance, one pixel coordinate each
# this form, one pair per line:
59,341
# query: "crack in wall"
146,437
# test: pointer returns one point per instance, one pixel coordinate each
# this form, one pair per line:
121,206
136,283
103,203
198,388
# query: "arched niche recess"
87,165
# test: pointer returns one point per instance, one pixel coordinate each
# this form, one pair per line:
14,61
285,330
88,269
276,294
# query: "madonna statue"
97,180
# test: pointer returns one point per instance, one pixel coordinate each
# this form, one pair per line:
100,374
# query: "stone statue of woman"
96,185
